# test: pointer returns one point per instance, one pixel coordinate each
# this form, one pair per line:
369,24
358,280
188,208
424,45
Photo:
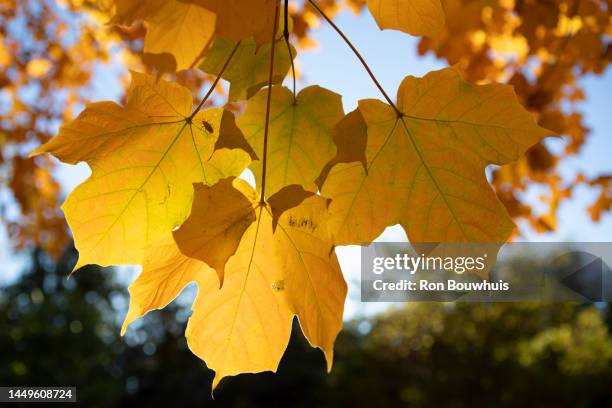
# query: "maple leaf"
180,32
415,17
165,273
144,158
300,141
249,67
215,244
274,274
425,165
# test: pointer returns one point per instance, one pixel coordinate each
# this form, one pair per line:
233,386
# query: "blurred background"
54,331
57,55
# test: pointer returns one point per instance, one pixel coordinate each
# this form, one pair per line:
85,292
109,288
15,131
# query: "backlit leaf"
425,169
165,273
416,17
178,33
300,141
144,158
219,217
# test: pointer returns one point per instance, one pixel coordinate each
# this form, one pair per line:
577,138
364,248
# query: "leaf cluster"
164,190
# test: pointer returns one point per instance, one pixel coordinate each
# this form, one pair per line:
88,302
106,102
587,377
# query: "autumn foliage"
164,191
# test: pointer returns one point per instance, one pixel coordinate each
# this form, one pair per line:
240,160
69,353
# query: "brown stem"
286,35
215,82
262,199
363,62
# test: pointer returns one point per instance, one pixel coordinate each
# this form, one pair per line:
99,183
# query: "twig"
352,47
286,35
214,84
262,199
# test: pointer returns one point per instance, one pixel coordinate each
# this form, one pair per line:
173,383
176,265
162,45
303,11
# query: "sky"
392,56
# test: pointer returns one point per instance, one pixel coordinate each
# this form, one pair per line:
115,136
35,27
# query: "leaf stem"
286,35
215,82
361,59
262,199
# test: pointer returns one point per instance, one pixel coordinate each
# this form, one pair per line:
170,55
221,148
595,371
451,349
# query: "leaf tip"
38,151
78,266
331,250
221,275
285,199
215,384
329,359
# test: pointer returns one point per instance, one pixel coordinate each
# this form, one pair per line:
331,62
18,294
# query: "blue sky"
392,56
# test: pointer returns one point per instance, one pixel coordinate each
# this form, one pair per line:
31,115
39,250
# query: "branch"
352,47
262,199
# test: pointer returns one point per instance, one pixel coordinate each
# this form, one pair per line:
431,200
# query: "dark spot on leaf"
207,126
305,223
278,285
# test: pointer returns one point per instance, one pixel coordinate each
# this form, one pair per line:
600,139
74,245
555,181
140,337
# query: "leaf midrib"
431,176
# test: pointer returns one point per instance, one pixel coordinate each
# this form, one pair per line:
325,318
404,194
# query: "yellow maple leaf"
274,274
425,167
165,273
215,244
178,33
300,141
144,158
415,17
